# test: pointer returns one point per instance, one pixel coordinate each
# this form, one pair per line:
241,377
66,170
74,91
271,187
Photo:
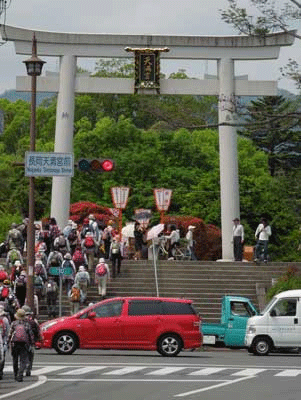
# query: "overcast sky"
170,17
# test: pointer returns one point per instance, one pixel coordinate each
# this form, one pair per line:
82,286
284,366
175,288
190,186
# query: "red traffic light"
108,165
98,165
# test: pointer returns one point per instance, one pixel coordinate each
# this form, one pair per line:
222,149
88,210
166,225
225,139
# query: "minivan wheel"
169,345
65,343
261,346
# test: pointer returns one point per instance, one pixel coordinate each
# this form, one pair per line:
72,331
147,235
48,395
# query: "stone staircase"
203,282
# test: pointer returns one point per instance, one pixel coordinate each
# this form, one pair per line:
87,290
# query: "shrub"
288,281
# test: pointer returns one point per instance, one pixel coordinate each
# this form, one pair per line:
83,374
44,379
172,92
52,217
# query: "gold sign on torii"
147,68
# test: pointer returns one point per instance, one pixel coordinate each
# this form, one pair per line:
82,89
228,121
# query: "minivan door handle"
295,320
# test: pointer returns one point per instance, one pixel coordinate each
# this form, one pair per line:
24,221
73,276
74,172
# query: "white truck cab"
278,325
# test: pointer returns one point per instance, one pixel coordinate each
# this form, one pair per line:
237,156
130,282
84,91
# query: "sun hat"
20,314
191,227
27,309
18,263
101,260
67,256
81,268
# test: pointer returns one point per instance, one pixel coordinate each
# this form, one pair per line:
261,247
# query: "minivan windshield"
268,306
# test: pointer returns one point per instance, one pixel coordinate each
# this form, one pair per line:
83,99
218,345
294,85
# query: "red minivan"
167,325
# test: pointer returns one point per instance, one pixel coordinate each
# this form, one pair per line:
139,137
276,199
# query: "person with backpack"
102,276
79,258
20,287
11,305
51,289
40,270
68,279
61,244
21,339
15,238
55,259
13,255
54,232
89,248
5,290
107,238
4,331
94,227
116,253
72,238
82,279
35,327
75,297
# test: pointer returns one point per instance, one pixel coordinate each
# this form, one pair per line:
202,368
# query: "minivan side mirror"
92,314
273,313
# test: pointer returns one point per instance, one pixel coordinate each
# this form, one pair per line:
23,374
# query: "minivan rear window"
157,307
175,308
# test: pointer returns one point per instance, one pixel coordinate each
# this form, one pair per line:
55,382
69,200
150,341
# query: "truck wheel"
169,345
261,346
65,343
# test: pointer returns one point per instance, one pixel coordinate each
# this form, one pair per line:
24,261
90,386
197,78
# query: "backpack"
14,256
3,275
20,333
55,260
20,281
101,269
82,277
89,242
61,243
4,292
2,328
37,281
75,294
72,236
78,257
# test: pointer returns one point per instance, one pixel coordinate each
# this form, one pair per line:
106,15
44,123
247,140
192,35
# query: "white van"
278,325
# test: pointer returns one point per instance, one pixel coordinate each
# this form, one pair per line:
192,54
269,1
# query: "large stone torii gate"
226,49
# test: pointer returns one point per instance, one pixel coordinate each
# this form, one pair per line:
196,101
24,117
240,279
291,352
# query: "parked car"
167,325
278,327
230,332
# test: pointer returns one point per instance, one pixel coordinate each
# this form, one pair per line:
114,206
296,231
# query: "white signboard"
49,164
162,197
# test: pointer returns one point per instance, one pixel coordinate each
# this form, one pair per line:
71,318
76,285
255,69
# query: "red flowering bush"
81,210
208,241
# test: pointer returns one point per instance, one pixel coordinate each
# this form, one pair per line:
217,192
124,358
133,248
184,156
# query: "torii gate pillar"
61,185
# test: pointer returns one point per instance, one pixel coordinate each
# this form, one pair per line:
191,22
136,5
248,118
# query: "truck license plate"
208,339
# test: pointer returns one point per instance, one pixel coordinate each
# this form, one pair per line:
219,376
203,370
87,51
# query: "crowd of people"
68,257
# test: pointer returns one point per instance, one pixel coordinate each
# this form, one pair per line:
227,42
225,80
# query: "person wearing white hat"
82,279
102,275
21,338
190,242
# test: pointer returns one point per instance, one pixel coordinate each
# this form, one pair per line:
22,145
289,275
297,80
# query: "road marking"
289,372
133,380
166,371
218,385
249,372
124,371
82,371
46,370
207,371
41,380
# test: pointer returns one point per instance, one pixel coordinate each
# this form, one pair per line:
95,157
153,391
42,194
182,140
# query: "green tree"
280,138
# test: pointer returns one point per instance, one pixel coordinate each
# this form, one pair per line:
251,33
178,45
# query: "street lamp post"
34,67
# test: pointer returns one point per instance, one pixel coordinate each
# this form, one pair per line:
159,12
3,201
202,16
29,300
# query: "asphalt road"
125,375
